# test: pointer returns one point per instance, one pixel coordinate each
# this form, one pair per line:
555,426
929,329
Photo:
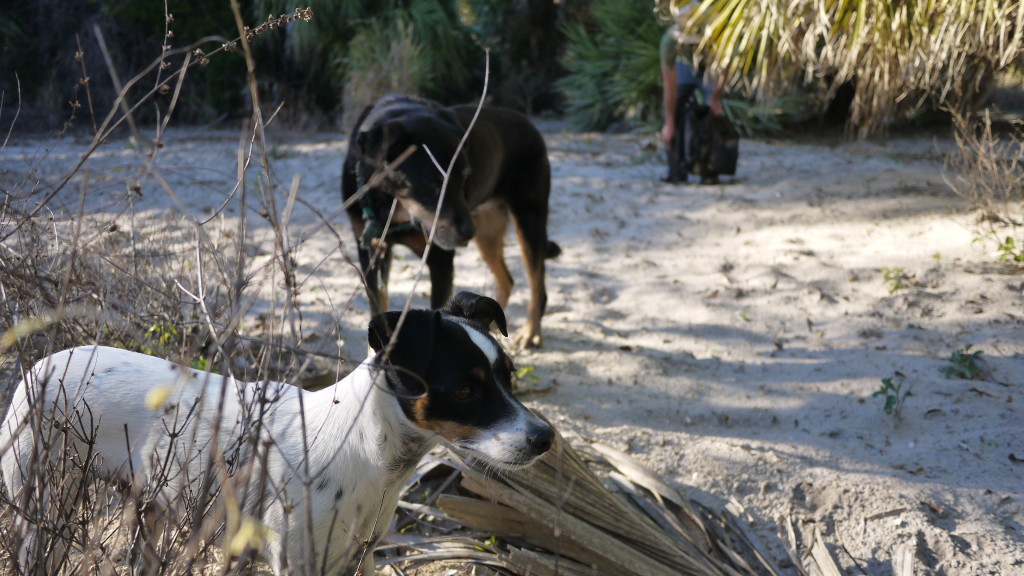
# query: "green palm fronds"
613,66
898,54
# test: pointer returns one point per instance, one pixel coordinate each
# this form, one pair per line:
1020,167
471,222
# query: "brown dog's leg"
533,240
491,221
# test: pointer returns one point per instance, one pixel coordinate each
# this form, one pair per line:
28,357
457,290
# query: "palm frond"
899,55
444,42
559,517
613,67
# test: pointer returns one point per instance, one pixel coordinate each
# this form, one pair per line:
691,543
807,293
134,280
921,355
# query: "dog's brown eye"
464,393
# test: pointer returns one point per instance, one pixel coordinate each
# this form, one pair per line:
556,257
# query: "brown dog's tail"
553,251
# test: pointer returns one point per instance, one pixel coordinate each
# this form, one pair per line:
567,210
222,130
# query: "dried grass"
898,56
987,169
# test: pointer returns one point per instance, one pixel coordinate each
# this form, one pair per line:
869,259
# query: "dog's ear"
413,345
479,309
380,330
387,138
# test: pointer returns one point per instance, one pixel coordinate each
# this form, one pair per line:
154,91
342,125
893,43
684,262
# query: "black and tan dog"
398,148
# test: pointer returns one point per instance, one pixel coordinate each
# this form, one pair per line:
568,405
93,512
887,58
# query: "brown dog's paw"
527,338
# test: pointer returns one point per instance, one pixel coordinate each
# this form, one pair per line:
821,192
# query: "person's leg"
681,143
685,83
675,157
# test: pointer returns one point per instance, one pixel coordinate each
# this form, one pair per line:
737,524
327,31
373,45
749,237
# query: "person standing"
679,82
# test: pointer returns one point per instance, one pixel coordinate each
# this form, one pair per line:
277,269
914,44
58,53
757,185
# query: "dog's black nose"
466,229
540,439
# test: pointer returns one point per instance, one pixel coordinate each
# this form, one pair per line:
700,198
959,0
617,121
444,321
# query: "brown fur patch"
448,430
419,411
416,242
491,220
451,431
401,215
416,210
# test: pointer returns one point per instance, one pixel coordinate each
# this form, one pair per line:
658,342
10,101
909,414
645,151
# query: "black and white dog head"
453,379
388,130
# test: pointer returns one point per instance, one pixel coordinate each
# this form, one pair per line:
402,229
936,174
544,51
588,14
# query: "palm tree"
898,54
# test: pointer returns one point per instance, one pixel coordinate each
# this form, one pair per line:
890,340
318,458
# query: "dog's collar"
374,218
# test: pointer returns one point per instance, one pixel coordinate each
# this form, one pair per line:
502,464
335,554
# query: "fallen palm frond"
558,517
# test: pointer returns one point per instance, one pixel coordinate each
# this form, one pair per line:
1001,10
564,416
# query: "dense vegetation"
348,51
595,60
614,70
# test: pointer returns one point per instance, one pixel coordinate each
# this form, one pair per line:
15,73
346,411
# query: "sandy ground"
730,336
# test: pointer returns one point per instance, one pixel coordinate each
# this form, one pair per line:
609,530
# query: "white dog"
321,471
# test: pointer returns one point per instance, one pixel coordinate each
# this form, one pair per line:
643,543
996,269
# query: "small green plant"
892,390
158,338
896,279
965,364
526,373
1009,251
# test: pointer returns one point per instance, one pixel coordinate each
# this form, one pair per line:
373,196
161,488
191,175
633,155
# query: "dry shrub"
987,169
76,278
96,277
79,276
159,283
79,264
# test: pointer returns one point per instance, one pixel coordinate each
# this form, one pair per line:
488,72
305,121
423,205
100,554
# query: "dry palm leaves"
897,56
557,517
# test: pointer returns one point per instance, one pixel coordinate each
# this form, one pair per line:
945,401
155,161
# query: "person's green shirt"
673,50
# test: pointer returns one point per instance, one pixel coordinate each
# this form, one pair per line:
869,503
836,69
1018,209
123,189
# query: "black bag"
712,144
